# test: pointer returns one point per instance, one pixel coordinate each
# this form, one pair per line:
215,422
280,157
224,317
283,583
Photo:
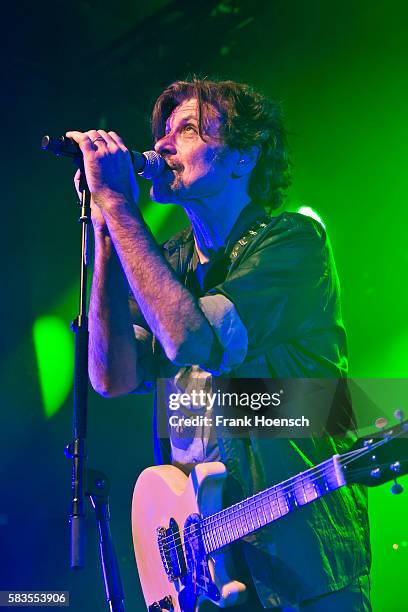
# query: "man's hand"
170,310
108,168
98,221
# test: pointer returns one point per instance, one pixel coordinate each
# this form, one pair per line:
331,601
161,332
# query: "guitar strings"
344,459
210,521
283,486
251,499
183,547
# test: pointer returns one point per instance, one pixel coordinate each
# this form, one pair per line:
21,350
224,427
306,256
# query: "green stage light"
156,216
54,347
309,212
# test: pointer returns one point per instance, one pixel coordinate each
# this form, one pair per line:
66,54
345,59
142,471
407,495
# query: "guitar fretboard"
269,505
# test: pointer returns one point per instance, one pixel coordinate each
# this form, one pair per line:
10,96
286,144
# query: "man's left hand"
108,168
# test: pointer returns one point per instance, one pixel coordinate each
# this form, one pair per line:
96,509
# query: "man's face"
197,169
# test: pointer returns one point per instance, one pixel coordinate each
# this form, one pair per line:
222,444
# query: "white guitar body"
160,493
181,531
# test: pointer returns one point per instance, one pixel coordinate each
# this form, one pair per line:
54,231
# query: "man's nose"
165,145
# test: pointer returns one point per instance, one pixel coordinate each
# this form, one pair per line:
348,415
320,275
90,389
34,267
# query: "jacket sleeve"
231,339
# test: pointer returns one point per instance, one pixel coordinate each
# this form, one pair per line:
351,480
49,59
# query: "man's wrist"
104,248
102,237
110,201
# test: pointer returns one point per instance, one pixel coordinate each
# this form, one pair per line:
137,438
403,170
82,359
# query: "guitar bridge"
171,551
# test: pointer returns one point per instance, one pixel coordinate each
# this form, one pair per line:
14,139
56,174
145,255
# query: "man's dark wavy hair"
248,119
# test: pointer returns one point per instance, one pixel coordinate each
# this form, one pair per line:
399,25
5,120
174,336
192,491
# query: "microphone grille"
154,165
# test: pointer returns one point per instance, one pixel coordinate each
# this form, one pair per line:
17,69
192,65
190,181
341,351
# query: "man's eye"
189,127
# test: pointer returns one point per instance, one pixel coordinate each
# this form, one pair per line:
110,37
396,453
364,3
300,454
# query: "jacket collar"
247,216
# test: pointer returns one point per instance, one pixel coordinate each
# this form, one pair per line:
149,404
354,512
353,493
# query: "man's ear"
246,160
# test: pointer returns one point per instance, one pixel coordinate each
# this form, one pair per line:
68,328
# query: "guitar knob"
375,473
396,488
166,603
399,415
381,422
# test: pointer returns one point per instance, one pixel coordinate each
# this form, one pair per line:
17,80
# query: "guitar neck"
267,506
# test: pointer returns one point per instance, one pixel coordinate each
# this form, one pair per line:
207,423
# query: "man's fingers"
82,139
108,138
98,140
118,140
112,138
94,139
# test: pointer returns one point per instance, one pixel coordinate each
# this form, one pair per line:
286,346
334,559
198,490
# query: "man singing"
239,293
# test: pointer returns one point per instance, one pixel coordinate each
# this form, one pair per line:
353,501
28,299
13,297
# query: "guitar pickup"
176,550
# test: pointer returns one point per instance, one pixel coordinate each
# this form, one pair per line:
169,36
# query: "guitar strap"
253,230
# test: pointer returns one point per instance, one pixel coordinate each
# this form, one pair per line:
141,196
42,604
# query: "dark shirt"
284,287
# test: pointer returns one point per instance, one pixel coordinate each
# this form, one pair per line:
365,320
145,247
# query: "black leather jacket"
284,286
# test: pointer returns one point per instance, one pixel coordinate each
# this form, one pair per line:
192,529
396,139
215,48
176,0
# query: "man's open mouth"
174,167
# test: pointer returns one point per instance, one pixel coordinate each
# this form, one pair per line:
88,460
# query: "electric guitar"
180,528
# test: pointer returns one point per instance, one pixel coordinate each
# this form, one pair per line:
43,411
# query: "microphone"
148,164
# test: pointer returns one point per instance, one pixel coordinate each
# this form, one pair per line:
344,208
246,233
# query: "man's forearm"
112,345
168,307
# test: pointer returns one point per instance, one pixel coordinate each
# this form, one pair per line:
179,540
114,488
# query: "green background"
340,71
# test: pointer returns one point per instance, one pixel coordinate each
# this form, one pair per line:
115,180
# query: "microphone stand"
88,482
